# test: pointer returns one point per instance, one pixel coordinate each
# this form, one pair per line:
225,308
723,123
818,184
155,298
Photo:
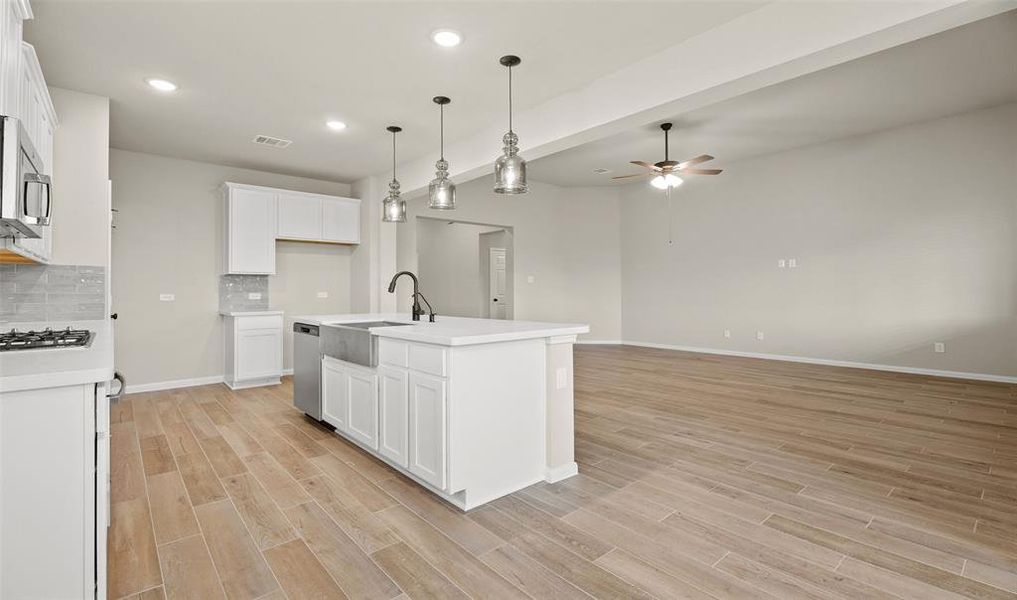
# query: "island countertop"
451,331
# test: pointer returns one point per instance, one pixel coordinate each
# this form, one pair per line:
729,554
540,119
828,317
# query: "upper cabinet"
251,235
250,231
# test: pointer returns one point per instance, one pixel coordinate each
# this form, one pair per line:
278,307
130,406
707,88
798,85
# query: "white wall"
169,240
567,239
903,238
80,179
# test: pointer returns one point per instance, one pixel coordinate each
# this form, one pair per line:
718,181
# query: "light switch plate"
254,295
781,263
167,297
323,294
530,279
792,263
759,335
727,333
562,378
939,347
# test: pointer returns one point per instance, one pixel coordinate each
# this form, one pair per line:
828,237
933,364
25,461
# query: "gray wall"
903,238
169,240
567,239
448,262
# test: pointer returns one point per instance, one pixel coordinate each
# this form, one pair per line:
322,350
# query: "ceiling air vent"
267,140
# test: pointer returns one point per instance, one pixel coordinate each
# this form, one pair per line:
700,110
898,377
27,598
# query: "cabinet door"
427,428
363,423
259,353
335,395
394,406
299,217
340,220
251,247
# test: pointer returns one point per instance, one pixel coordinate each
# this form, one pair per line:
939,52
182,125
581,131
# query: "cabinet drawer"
393,353
260,322
428,359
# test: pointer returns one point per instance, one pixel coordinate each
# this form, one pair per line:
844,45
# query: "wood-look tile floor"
700,477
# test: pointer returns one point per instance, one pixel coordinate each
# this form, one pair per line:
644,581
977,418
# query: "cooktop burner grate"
48,338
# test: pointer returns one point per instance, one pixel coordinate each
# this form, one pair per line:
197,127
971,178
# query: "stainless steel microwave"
26,194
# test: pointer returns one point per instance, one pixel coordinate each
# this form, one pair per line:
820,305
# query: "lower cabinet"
254,345
427,404
394,409
350,400
400,413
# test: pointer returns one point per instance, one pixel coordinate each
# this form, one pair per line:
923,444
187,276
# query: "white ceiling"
962,69
281,68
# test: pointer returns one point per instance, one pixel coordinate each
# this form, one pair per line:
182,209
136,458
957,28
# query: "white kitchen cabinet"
363,395
14,13
340,220
254,345
54,469
250,231
299,216
335,394
393,413
427,408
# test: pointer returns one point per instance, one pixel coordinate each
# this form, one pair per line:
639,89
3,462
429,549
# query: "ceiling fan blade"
633,175
701,171
695,161
642,163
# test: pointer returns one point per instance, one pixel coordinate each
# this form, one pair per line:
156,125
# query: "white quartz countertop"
249,313
44,368
452,331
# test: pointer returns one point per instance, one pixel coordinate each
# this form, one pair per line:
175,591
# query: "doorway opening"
467,268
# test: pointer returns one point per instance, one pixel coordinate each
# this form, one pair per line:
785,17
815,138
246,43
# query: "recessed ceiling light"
336,125
447,38
162,85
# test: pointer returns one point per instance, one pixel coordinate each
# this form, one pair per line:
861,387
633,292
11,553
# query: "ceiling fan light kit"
667,173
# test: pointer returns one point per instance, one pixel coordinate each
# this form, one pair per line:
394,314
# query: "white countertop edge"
22,370
249,313
456,330
20,383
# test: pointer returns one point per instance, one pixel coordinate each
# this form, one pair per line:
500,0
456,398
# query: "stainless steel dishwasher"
307,369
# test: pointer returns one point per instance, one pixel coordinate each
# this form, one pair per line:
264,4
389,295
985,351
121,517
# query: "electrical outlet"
562,378
323,294
167,297
727,333
254,295
530,279
939,347
759,335
781,263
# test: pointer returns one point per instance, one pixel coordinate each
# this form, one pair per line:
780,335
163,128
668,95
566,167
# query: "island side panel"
497,413
560,392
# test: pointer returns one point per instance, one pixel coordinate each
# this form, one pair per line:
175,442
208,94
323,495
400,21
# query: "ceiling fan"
666,172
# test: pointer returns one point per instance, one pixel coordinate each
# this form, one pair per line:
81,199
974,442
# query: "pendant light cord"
510,99
441,135
393,156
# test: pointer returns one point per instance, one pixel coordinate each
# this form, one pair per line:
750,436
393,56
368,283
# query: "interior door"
498,285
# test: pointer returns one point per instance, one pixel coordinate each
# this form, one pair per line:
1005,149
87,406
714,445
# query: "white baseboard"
601,342
181,383
170,385
561,472
831,362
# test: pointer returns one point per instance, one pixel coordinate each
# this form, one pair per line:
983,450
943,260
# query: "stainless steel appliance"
26,194
353,342
307,369
48,338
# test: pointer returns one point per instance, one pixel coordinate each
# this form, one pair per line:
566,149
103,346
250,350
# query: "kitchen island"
472,409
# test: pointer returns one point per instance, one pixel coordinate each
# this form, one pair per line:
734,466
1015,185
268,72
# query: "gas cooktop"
48,338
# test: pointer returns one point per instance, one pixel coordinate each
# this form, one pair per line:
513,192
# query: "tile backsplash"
52,293
235,291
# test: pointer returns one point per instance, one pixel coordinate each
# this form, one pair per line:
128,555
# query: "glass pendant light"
510,168
442,190
393,207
